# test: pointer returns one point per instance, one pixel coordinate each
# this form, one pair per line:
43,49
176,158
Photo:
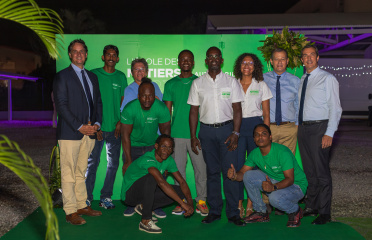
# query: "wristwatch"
275,187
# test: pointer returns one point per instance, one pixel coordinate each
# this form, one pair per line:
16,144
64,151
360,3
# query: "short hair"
139,60
81,41
214,48
310,46
258,67
278,50
262,125
145,81
164,136
183,51
108,47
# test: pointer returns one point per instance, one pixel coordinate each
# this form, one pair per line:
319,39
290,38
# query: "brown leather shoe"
75,219
89,212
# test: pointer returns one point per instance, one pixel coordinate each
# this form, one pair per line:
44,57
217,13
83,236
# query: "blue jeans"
113,153
285,199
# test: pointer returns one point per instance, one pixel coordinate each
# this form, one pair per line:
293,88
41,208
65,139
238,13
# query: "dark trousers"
136,152
315,161
146,191
219,159
245,145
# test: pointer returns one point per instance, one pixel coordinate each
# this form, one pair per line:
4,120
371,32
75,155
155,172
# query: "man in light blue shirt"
140,69
284,88
319,115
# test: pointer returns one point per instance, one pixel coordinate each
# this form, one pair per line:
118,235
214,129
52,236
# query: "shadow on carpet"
113,225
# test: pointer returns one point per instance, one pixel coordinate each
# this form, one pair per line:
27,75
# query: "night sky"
144,17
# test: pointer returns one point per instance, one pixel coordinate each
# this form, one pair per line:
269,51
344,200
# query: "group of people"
245,128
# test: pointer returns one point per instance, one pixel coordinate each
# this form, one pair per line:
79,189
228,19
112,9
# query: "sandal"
241,209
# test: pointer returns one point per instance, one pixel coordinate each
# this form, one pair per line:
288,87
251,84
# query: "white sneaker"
138,210
150,227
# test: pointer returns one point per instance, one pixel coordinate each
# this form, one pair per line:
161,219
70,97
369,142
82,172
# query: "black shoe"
279,212
237,221
211,218
322,219
310,212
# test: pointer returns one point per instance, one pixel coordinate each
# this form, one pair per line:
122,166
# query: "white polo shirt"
215,97
256,93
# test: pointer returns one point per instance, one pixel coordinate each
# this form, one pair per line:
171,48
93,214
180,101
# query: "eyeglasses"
139,70
75,52
210,57
166,148
248,63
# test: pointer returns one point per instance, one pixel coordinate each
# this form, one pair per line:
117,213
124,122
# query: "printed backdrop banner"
161,53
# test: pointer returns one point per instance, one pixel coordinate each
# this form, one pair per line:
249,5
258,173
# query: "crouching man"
144,186
279,176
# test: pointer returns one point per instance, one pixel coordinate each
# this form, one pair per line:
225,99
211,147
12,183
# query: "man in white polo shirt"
217,97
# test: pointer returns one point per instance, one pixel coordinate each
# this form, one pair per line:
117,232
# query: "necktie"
278,109
303,91
88,93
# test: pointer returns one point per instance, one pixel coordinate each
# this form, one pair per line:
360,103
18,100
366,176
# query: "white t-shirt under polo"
256,93
215,97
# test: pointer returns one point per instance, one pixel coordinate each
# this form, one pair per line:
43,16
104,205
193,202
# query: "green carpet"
113,225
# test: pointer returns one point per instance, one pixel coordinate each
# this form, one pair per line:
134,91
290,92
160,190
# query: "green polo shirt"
139,168
279,159
145,122
111,86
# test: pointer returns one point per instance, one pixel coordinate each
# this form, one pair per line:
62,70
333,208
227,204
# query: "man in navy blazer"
79,107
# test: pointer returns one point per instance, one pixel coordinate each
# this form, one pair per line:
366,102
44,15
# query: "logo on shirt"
115,86
225,95
276,168
254,92
151,119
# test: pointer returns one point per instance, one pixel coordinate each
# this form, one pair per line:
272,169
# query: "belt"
307,123
217,125
282,123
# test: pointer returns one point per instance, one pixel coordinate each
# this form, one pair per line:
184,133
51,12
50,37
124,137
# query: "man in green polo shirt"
112,83
279,176
140,121
176,93
145,187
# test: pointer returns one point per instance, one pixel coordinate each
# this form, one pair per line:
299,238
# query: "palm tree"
46,23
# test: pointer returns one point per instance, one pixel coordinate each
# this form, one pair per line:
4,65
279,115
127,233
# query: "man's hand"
88,130
117,130
267,185
99,135
326,141
233,139
96,127
231,173
195,143
189,210
125,166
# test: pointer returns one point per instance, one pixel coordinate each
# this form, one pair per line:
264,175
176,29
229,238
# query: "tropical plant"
12,157
288,40
45,22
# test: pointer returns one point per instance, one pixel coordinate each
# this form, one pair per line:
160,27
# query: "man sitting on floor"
144,186
279,176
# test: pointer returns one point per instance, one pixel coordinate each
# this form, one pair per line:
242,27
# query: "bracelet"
236,133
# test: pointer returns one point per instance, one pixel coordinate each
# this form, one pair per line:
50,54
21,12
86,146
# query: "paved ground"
351,166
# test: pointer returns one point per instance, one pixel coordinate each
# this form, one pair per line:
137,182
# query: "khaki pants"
286,135
74,161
